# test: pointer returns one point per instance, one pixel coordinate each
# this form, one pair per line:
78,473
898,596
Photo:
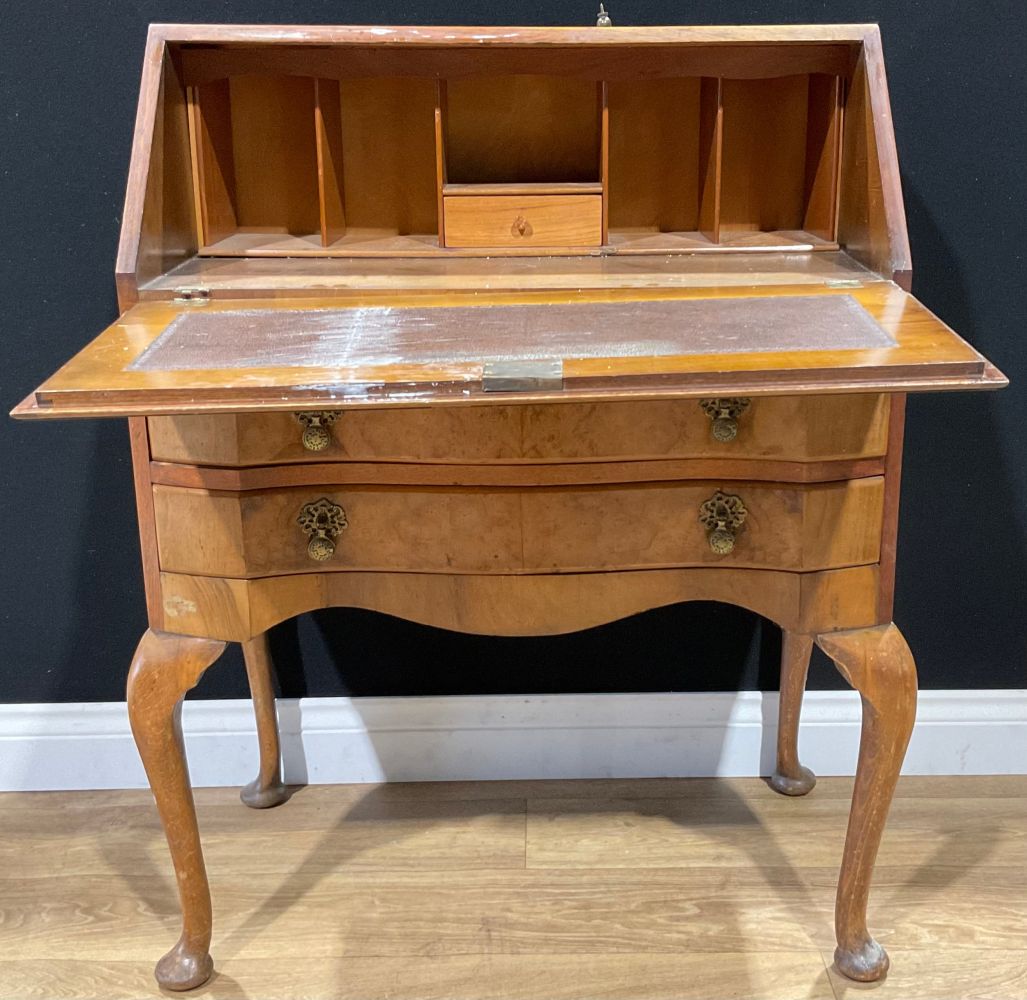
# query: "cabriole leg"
266,789
791,778
164,668
878,664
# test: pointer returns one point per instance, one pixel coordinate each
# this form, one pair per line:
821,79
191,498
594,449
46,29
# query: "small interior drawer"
533,221
506,530
782,428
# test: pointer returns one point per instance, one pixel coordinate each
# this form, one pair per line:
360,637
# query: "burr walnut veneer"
514,331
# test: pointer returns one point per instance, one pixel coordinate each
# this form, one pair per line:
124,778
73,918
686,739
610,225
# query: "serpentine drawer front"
787,428
470,530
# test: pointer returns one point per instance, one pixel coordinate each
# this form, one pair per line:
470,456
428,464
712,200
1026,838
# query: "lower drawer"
536,530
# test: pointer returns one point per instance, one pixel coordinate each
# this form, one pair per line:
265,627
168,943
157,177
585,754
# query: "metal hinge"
521,376
197,296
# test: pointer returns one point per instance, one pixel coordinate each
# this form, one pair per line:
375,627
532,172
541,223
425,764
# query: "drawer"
554,220
783,428
539,530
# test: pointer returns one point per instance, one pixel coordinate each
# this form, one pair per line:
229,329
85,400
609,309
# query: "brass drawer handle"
323,521
316,424
724,413
722,516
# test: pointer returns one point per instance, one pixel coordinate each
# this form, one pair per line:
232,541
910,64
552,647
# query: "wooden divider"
440,155
328,127
711,144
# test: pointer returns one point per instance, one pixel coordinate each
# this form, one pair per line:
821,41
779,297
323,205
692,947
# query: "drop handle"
722,516
322,521
317,434
724,413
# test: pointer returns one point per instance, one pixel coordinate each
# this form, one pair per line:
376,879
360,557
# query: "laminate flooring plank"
672,833
391,914
796,975
639,890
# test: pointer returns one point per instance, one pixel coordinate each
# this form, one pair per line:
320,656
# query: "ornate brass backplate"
323,521
316,424
722,516
724,413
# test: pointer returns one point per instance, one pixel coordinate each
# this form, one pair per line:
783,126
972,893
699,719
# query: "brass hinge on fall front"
521,376
194,296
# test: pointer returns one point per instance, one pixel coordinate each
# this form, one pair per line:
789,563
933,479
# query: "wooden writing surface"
912,350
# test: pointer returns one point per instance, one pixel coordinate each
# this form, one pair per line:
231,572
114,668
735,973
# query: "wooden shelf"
653,241
778,239
320,275
388,243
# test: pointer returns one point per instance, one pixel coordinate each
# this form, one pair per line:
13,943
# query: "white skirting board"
337,740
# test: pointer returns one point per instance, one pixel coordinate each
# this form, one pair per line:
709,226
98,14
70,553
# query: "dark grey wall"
71,599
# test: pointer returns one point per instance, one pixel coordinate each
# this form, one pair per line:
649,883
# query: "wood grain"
267,789
140,446
330,182
244,278
790,777
457,56
163,231
83,909
654,167
316,474
275,153
825,110
539,530
892,492
386,83
545,220
213,161
164,668
788,429
522,129
499,977
764,154
388,144
927,355
877,663
517,605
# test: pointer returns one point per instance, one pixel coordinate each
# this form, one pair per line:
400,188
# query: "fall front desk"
514,332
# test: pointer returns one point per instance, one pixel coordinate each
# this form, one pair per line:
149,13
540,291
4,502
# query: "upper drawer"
517,221
541,530
784,428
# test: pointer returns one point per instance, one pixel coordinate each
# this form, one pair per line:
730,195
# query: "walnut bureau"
514,332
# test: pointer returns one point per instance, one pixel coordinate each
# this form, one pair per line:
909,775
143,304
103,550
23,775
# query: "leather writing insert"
383,335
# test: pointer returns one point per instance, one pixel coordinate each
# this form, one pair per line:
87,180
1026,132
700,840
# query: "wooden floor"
519,891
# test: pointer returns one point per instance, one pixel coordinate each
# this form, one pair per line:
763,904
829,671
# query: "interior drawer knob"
316,428
722,516
724,414
322,521
521,227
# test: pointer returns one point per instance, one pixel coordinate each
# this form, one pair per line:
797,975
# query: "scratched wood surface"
100,380
624,889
